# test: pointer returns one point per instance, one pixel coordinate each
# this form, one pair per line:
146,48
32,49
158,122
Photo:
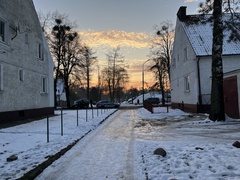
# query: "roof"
200,37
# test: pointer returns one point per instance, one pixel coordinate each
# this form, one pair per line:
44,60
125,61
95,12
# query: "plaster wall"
183,67
19,52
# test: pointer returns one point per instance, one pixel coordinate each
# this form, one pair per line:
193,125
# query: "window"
40,51
1,78
173,62
185,54
20,75
2,31
44,85
26,38
187,83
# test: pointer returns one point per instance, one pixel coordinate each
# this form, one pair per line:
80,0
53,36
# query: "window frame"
185,53
40,54
21,75
44,84
5,31
187,83
26,38
174,62
2,31
1,77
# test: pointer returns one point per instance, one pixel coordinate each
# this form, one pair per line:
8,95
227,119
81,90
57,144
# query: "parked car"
81,103
153,101
107,104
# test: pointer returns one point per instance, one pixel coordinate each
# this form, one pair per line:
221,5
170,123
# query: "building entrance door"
231,97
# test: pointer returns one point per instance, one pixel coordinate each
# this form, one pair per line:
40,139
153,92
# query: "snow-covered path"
97,155
122,148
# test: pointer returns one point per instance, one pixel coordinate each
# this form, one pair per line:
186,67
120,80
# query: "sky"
121,144
129,24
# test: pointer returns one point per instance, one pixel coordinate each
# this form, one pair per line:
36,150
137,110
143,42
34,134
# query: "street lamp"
143,80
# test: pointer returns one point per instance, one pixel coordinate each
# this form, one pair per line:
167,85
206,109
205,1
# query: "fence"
150,107
64,120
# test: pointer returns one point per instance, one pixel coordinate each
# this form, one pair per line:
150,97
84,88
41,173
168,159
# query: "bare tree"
65,47
160,71
115,75
88,61
160,55
164,44
73,62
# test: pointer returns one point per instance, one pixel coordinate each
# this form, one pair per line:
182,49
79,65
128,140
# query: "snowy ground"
196,147
29,141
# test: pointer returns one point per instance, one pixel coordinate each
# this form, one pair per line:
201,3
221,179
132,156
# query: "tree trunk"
217,96
55,95
88,82
67,91
161,87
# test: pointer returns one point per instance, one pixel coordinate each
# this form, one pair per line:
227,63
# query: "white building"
26,66
191,62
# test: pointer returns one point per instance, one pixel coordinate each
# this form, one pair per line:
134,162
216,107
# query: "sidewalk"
28,143
196,147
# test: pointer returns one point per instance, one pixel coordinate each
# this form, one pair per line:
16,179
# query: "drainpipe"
199,83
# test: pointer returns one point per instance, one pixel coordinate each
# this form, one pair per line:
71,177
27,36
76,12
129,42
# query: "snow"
29,141
200,37
123,145
147,95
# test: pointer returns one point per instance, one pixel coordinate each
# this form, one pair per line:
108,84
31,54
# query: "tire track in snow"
130,155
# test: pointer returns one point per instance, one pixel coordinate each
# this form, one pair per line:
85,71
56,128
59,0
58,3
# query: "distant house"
191,64
26,66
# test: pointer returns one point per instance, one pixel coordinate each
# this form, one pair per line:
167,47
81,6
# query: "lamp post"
143,79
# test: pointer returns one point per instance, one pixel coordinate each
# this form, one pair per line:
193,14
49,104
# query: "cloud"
189,1
112,38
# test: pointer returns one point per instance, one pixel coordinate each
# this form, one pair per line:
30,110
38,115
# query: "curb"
33,173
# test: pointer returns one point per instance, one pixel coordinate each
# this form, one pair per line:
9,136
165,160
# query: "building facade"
26,66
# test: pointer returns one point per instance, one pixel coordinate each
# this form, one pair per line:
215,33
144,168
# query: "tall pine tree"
217,95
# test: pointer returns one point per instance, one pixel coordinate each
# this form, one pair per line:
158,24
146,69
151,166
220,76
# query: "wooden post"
77,117
61,122
47,129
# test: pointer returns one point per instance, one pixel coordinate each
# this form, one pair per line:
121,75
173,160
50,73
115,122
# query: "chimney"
181,14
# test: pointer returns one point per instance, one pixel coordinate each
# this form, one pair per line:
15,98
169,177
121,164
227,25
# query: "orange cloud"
113,39
189,1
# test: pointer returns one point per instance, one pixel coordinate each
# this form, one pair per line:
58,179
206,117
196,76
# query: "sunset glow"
104,25
129,42
113,39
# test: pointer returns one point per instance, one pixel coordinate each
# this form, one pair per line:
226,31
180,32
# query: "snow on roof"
200,37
